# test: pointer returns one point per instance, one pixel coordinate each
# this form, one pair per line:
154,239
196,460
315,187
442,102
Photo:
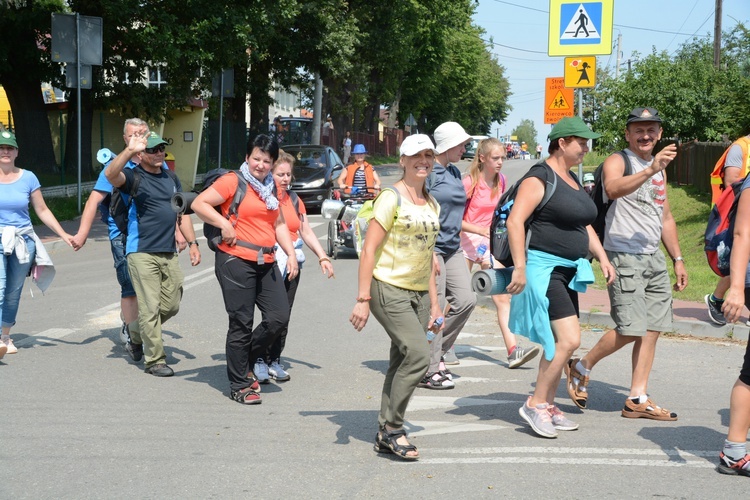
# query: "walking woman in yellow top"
396,282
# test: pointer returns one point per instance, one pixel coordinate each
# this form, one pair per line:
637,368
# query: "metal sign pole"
221,110
78,96
580,115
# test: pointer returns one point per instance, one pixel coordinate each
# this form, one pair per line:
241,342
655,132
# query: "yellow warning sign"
558,100
580,72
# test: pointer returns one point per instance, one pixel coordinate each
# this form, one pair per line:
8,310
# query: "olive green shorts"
641,295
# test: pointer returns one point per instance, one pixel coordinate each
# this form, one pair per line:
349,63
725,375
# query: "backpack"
119,208
499,245
365,214
720,229
600,197
213,233
717,176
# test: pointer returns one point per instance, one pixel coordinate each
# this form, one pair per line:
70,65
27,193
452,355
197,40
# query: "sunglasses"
156,149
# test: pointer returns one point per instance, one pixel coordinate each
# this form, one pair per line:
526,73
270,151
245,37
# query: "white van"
471,146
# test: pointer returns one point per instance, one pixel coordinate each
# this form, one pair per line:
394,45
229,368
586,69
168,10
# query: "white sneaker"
276,371
261,371
11,349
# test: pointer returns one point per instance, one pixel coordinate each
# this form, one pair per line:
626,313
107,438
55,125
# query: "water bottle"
500,229
435,327
481,250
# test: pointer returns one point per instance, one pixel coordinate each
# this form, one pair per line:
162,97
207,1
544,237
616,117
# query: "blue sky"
643,24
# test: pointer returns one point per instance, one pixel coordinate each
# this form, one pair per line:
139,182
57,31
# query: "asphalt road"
80,420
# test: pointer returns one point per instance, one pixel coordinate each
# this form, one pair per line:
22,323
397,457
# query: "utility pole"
717,34
619,55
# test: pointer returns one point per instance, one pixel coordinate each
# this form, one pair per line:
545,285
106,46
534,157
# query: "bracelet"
191,243
364,299
675,259
324,259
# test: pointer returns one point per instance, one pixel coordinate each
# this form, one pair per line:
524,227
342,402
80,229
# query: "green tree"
24,65
526,132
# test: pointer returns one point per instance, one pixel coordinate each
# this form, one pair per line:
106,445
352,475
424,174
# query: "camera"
181,202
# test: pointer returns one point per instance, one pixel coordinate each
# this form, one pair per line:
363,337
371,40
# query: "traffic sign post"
583,28
580,72
558,100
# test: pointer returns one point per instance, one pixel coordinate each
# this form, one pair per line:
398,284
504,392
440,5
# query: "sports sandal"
577,392
437,381
389,439
647,410
246,396
739,467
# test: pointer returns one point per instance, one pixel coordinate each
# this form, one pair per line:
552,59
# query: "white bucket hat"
448,135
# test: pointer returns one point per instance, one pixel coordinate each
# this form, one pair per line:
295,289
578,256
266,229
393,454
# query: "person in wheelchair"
360,175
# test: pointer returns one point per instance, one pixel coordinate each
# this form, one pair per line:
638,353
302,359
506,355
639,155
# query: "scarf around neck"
264,189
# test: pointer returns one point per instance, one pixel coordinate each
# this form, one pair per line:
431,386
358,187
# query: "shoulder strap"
628,165
295,201
136,184
549,189
239,194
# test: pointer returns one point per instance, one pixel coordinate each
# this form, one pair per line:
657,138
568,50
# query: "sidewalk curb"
737,331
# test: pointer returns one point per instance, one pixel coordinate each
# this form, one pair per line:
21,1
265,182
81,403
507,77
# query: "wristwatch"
194,242
675,259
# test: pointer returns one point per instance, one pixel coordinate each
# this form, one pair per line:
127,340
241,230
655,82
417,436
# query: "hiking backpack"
600,197
720,229
213,233
499,245
365,214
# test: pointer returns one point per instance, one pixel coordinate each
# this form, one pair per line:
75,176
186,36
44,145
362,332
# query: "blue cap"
359,149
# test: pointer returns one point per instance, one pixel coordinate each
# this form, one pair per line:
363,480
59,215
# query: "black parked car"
316,170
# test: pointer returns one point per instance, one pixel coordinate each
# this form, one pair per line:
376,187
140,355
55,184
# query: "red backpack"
720,229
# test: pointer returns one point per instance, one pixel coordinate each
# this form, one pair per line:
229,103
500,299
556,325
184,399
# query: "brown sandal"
577,392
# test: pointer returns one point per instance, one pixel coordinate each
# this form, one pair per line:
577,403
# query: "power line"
514,48
618,25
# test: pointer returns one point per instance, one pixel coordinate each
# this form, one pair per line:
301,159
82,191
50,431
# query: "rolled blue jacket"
529,310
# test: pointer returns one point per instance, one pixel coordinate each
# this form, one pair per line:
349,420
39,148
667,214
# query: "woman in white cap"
454,280
19,245
396,282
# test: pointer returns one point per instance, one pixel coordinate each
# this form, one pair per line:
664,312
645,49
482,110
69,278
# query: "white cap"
416,143
449,135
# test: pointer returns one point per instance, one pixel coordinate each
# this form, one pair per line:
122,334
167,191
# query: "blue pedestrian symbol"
584,22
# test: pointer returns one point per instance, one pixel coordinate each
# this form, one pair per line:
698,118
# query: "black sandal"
388,440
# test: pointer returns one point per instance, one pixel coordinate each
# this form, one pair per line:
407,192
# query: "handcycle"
342,213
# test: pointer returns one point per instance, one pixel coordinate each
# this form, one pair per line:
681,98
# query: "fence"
694,163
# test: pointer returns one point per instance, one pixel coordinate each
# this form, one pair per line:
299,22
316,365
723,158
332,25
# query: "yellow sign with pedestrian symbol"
580,72
580,27
558,101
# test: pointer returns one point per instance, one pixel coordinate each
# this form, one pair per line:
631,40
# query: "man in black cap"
641,296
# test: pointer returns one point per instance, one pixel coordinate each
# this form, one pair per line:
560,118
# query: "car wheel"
331,244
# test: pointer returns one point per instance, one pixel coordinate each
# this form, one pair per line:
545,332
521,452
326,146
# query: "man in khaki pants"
150,248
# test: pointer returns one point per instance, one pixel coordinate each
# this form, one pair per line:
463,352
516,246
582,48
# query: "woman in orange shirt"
299,231
245,263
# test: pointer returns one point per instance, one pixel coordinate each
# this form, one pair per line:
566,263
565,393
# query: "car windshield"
310,158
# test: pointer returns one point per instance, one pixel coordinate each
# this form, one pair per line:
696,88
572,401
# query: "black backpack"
213,233
119,209
499,246
598,195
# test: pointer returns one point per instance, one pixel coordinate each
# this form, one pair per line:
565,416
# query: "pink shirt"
482,203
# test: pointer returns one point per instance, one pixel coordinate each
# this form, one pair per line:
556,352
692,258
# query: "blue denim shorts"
121,266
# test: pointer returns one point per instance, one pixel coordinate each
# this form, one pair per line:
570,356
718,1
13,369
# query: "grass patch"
63,208
690,208
376,160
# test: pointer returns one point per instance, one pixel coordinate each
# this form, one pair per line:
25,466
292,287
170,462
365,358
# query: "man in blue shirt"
102,188
150,245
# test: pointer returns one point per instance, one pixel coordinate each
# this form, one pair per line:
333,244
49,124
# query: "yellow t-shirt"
404,259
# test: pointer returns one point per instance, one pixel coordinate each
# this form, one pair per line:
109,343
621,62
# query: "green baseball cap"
8,139
572,126
154,140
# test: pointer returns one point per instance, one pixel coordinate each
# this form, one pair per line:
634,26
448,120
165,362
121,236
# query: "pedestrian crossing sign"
580,72
558,100
580,27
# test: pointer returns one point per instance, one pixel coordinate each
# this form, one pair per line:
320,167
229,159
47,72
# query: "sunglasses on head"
156,149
